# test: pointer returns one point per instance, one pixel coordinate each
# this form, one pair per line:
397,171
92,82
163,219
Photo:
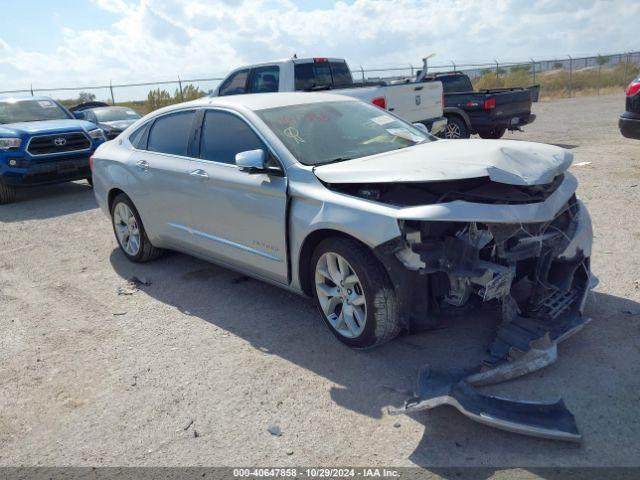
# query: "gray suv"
385,226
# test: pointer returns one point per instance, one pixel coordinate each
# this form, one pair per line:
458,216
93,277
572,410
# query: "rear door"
161,163
238,218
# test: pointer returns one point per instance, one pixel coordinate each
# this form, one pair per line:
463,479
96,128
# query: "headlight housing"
7,143
96,134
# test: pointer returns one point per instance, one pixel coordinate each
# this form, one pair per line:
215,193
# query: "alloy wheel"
452,131
341,295
127,230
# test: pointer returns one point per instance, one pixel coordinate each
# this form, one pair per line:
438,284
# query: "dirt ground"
193,368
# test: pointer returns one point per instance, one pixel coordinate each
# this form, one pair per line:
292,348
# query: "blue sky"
85,42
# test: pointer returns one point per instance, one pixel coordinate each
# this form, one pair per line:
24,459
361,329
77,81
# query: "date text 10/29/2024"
309,472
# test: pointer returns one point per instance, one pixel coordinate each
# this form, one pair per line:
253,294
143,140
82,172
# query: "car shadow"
281,323
49,201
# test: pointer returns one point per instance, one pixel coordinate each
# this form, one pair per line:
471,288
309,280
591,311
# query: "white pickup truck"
414,102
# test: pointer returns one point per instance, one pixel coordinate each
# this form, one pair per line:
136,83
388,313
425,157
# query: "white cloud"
160,39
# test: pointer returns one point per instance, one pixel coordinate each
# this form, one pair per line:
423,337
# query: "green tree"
601,60
189,92
158,98
84,97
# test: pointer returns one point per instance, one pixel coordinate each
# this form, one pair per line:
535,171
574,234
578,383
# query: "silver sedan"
386,227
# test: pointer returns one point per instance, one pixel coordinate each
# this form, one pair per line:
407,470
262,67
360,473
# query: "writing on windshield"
324,132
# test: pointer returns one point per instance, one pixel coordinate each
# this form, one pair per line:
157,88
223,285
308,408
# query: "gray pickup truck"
489,113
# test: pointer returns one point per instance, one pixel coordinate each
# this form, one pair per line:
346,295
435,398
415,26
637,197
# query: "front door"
238,218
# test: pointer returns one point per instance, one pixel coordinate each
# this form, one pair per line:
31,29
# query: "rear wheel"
493,133
354,294
130,232
7,193
455,129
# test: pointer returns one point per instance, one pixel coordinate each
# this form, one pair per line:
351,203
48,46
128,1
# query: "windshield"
320,133
115,114
14,111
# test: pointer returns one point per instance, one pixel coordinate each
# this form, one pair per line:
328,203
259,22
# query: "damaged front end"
535,275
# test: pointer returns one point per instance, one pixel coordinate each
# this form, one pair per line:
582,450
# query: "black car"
629,122
112,120
489,113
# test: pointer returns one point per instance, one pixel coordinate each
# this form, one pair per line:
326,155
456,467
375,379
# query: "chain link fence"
558,77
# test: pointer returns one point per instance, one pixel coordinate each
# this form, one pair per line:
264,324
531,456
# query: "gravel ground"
193,368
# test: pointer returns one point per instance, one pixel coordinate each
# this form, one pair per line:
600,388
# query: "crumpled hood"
45,126
118,124
503,161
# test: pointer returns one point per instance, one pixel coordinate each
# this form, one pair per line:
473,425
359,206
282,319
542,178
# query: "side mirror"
80,115
421,127
251,161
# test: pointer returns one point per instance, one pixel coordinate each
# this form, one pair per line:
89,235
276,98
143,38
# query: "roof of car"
25,97
261,101
110,107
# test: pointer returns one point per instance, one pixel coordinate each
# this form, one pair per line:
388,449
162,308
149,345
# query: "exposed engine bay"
536,276
528,270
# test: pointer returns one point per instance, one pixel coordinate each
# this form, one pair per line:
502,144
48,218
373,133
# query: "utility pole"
533,70
113,100
570,76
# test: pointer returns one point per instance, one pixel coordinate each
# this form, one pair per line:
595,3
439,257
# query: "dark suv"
42,142
629,121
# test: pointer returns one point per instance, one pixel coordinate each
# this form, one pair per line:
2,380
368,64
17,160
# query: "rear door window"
224,135
236,84
171,133
264,79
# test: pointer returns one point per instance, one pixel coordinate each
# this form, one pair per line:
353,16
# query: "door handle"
142,164
199,173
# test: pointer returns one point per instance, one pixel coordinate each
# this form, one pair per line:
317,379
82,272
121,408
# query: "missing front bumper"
538,277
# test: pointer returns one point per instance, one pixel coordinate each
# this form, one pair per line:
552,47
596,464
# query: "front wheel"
455,129
354,294
7,193
130,233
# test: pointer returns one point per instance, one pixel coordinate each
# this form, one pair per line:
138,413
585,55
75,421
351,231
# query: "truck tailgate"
512,103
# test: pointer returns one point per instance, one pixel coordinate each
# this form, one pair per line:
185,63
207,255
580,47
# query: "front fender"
308,216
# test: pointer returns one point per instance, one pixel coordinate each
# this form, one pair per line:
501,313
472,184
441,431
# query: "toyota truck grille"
58,143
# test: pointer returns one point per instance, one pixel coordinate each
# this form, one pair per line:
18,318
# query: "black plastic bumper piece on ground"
539,419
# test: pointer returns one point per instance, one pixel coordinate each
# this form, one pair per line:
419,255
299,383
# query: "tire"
121,207
379,305
455,129
89,181
7,194
494,133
